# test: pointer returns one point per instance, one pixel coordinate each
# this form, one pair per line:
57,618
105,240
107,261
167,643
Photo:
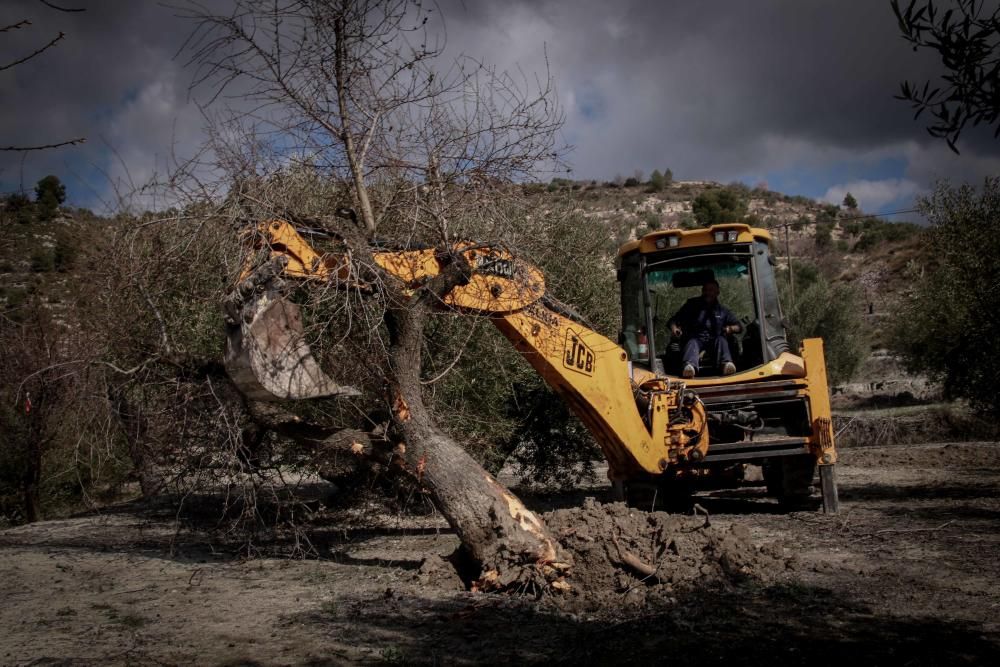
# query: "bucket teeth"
267,356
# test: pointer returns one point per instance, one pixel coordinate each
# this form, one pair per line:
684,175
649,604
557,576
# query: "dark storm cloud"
727,90
806,68
718,90
113,79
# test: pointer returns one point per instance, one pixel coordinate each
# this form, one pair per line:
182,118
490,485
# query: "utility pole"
791,271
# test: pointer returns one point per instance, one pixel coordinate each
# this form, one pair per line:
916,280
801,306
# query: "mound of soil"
628,558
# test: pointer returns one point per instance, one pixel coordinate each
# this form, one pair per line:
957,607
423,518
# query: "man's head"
710,291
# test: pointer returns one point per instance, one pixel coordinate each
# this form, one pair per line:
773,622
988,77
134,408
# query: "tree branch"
71,142
38,52
15,26
62,9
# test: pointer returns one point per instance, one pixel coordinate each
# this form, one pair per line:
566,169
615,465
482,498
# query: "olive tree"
966,36
827,310
948,325
352,97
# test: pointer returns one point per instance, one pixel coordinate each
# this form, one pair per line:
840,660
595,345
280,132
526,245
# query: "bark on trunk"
494,526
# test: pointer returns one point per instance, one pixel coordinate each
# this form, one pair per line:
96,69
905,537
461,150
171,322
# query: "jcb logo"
494,265
576,354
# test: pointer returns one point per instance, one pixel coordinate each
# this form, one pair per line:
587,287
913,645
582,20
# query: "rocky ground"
906,574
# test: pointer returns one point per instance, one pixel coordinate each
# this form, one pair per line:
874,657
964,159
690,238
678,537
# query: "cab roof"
693,238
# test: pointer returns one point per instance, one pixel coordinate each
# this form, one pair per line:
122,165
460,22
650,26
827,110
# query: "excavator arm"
642,428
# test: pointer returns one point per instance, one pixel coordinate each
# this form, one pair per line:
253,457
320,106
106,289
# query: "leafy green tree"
713,207
949,325
495,401
49,194
828,213
656,181
876,231
668,177
20,207
824,235
831,311
850,202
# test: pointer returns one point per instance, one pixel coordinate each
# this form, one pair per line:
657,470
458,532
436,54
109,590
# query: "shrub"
651,219
64,254
49,194
833,312
899,231
824,236
828,213
656,181
43,260
20,207
713,207
868,240
853,228
687,221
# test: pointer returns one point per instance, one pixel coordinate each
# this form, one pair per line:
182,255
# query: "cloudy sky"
794,93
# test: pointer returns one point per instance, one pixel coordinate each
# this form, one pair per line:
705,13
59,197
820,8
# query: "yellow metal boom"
643,424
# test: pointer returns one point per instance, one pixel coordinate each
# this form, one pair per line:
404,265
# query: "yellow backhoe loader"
655,427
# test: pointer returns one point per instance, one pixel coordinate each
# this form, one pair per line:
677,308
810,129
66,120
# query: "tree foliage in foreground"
949,325
967,39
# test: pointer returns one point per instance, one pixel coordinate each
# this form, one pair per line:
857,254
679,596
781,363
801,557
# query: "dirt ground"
907,574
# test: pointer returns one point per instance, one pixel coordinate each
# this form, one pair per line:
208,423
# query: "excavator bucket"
267,355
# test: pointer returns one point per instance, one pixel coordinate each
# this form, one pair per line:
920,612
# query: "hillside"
51,260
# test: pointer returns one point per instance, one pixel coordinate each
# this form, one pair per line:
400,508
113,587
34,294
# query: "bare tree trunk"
355,160
493,525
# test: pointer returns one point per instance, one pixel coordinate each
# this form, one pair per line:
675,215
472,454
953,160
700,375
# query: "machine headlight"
661,243
720,237
675,241
731,235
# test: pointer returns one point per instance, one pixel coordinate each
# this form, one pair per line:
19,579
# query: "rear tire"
673,495
789,479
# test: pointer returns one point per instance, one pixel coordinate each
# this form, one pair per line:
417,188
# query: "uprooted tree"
345,106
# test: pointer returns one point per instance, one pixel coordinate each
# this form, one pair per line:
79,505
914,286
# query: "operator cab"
661,271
